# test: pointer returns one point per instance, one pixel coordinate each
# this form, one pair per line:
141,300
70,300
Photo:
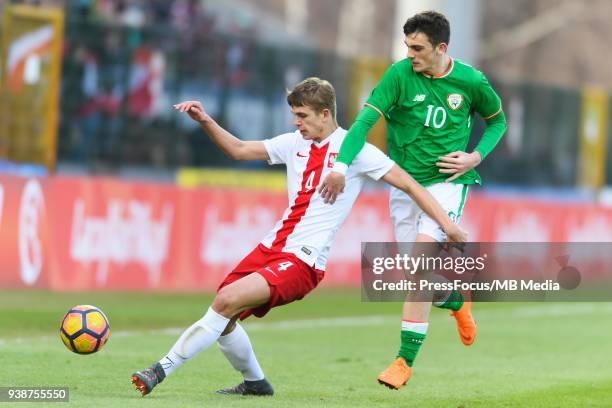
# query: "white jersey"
308,226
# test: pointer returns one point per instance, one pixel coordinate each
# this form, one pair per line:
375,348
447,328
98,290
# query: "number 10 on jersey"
437,115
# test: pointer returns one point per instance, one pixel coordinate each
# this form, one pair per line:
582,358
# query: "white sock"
196,338
416,327
237,348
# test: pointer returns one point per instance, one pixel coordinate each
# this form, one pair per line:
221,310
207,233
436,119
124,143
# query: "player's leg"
248,292
415,317
236,346
245,293
404,214
289,279
452,197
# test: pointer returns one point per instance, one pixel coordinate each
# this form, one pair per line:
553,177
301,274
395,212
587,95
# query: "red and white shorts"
288,276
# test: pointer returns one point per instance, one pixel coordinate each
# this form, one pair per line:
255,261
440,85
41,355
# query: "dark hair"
315,93
431,23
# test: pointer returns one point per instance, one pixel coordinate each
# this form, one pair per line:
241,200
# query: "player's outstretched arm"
398,178
233,147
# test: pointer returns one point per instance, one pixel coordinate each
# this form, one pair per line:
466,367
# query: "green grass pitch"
323,351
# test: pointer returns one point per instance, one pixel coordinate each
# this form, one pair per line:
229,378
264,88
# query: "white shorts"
409,220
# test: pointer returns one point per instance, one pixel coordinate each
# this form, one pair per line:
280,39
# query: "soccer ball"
84,329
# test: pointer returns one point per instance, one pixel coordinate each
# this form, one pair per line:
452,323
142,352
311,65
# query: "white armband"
340,168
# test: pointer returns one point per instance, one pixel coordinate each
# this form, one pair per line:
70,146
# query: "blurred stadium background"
126,182
104,187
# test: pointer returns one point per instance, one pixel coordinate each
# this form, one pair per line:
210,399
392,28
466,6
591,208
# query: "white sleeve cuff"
340,168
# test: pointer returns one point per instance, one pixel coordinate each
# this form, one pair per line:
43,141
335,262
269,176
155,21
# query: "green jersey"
429,117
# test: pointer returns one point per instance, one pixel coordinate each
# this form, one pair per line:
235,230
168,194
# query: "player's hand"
458,163
454,234
332,186
194,109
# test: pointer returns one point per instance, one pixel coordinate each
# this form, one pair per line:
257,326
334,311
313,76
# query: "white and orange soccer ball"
84,329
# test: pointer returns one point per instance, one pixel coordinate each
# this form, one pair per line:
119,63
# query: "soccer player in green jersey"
428,101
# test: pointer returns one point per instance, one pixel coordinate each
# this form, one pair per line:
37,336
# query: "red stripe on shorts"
316,159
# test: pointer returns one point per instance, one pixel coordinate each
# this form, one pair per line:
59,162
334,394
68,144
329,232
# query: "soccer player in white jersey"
290,261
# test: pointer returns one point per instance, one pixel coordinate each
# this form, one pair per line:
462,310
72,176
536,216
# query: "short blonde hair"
316,93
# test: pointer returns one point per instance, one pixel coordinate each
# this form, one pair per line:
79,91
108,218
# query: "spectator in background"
88,112
113,92
146,81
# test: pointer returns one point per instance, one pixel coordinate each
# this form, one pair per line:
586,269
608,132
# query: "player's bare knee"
225,303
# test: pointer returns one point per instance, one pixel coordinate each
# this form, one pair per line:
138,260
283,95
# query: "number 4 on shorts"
283,266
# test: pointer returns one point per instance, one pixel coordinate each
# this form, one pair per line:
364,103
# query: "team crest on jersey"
454,101
332,160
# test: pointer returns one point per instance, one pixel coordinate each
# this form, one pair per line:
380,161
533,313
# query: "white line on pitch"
523,312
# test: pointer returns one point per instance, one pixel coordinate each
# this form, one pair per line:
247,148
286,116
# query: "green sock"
412,337
454,301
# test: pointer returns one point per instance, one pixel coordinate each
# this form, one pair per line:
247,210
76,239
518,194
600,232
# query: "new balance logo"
301,155
419,98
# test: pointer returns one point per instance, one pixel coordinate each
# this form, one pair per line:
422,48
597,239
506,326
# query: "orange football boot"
465,323
396,375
